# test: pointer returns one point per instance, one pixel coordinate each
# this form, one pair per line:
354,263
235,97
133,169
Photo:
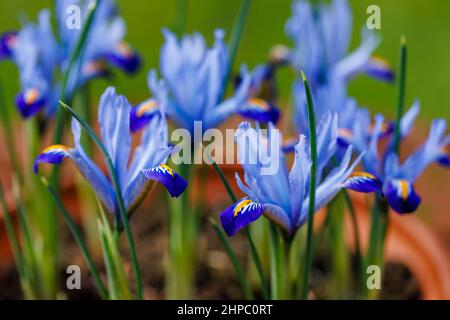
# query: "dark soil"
215,278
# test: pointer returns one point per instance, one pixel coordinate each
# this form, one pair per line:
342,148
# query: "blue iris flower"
137,171
42,56
321,34
283,196
195,78
398,179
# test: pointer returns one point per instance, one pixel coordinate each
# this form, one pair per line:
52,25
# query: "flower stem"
312,187
401,92
248,293
358,256
79,239
117,189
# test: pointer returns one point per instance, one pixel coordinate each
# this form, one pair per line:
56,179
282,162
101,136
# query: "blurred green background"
426,25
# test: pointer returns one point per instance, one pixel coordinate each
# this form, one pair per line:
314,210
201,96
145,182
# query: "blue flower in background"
321,34
7,43
283,197
137,171
195,78
43,56
398,179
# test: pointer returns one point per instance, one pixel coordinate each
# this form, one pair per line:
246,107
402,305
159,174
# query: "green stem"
117,189
79,239
6,121
312,187
401,92
236,34
377,235
248,294
179,23
358,256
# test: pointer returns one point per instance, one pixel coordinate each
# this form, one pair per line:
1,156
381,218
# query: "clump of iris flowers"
42,56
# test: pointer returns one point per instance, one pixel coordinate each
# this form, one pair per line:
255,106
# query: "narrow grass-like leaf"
74,57
312,186
236,35
117,279
79,240
253,249
400,92
248,293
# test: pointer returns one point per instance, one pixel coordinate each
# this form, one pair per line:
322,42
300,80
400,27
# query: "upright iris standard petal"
240,215
114,120
362,182
54,154
8,41
30,102
141,115
401,196
259,110
174,183
124,57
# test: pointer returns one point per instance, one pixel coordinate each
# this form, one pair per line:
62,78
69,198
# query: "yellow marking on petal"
380,61
168,169
260,103
384,127
291,140
346,133
147,106
11,41
239,207
56,147
31,95
94,66
124,49
363,174
404,189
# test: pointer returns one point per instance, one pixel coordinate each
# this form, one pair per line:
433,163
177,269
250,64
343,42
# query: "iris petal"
174,183
124,57
362,182
30,102
54,154
141,115
239,215
379,68
401,196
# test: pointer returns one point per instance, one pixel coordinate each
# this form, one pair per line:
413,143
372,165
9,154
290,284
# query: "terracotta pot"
409,242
